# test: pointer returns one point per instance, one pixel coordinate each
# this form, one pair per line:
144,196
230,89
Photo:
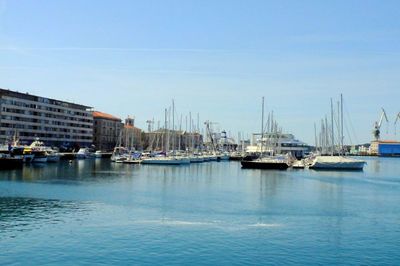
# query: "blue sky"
216,58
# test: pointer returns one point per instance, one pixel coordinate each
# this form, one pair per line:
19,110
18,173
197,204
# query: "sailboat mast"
190,130
198,131
315,136
262,125
326,135
341,113
332,131
180,134
338,128
165,132
173,126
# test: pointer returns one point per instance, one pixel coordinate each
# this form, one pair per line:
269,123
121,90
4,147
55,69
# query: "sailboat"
162,158
336,162
278,162
119,153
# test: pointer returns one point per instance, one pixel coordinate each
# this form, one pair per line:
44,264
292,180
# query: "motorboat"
40,156
28,155
39,151
83,153
118,154
20,152
52,155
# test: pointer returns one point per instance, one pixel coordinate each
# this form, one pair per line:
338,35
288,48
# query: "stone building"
107,131
55,122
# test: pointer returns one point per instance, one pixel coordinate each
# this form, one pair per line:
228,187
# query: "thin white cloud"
116,49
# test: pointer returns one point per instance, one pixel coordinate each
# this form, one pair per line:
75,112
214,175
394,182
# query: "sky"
215,58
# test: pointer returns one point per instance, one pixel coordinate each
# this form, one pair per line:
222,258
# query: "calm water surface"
94,211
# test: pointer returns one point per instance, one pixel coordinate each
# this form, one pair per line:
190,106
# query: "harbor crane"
377,125
395,121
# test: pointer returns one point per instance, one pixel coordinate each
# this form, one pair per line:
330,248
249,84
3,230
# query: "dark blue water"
97,212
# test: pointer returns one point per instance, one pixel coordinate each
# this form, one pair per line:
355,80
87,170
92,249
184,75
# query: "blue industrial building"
386,148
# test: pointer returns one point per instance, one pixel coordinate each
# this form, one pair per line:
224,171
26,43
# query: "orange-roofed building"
385,148
106,131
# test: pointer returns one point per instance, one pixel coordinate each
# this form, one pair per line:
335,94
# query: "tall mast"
332,136
180,134
338,129
326,134
193,139
341,113
173,126
198,131
165,132
262,124
190,129
315,135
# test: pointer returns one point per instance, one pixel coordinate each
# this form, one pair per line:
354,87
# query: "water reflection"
21,214
70,172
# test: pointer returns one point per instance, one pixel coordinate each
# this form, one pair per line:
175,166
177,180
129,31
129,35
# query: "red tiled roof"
386,141
104,115
129,126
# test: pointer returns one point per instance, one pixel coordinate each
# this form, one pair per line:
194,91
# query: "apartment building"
55,122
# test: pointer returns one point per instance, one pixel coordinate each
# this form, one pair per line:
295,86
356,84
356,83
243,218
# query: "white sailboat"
336,162
264,161
164,159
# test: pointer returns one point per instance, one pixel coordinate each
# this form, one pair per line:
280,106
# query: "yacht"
285,143
118,154
52,155
83,153
39,151
23,153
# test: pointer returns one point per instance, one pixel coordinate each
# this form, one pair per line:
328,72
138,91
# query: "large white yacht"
285,143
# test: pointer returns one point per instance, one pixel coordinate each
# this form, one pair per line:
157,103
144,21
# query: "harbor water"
98,212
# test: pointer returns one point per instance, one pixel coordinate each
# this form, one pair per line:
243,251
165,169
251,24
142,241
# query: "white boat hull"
162,161
336,163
